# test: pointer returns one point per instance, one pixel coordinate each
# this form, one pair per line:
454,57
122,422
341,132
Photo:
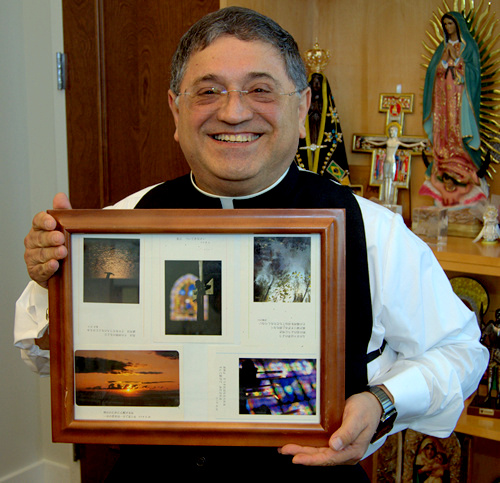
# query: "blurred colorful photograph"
277,386
127,378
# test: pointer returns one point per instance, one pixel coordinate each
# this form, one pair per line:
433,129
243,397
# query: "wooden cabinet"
462,257
482,262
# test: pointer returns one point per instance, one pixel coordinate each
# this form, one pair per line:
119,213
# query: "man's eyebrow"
207,78
250,76
262,76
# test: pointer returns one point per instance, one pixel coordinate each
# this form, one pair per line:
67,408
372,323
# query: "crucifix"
202,289
391,153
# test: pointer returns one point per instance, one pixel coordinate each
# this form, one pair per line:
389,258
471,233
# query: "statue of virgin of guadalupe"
452,94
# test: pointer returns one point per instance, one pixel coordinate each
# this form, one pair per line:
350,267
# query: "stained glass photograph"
193,297
277,386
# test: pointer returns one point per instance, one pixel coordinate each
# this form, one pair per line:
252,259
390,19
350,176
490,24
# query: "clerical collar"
227,201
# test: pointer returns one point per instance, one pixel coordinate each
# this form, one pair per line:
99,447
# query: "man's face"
235,150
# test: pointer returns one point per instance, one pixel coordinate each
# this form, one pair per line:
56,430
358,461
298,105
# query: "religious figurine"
491,339
431,462
490,231
398,167
387,190
323,150
451,107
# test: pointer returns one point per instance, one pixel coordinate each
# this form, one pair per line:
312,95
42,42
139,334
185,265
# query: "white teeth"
236,138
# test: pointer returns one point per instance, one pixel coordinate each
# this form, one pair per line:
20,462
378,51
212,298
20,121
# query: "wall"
32,169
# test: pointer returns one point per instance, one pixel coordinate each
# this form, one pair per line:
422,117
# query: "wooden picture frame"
194,388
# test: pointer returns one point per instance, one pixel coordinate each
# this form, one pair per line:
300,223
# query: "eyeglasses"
258,99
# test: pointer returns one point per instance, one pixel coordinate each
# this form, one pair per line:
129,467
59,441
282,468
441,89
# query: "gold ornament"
316,59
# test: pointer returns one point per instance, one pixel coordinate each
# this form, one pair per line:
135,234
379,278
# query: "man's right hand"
44,245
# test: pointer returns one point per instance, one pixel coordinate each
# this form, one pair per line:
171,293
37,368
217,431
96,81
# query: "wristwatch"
389,412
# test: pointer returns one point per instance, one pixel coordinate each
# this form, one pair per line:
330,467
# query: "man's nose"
234,108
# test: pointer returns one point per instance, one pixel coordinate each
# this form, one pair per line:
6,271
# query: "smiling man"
239,97
238,116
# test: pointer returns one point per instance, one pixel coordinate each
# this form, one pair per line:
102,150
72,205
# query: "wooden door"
119,127
120,130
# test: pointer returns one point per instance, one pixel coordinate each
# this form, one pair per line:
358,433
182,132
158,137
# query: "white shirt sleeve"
433,359
31,322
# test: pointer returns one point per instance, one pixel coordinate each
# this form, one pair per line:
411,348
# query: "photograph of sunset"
127,378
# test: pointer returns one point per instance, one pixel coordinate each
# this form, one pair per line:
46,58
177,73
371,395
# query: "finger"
41,273
61,202
37,256
308,455
43,221
37,238
293,449
43,263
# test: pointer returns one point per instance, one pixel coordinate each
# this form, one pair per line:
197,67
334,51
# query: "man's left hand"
349,443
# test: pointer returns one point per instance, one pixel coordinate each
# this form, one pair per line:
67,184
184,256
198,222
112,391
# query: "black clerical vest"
302,189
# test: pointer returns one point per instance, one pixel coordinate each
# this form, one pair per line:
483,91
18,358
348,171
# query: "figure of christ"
393,143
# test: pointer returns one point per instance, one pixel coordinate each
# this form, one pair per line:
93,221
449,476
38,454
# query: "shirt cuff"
409,390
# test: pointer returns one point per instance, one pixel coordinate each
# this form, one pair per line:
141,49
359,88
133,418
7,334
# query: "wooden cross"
395,106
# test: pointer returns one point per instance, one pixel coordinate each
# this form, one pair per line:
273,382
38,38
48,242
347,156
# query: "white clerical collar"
227,201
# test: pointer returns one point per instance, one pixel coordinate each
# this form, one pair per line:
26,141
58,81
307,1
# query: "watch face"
388,415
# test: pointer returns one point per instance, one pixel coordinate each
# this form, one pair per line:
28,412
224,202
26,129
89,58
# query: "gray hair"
244,24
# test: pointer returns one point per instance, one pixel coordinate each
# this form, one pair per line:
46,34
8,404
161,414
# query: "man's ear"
305,103
175,111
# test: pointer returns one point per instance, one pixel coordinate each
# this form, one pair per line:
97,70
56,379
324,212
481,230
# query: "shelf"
480,426
463,255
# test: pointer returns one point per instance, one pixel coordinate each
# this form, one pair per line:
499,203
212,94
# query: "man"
239,97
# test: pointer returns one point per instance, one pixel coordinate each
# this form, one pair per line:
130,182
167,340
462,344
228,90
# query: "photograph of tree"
111,270
127,378
282,269
277,386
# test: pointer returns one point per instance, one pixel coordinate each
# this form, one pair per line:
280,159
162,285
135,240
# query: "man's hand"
349,443
44,246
